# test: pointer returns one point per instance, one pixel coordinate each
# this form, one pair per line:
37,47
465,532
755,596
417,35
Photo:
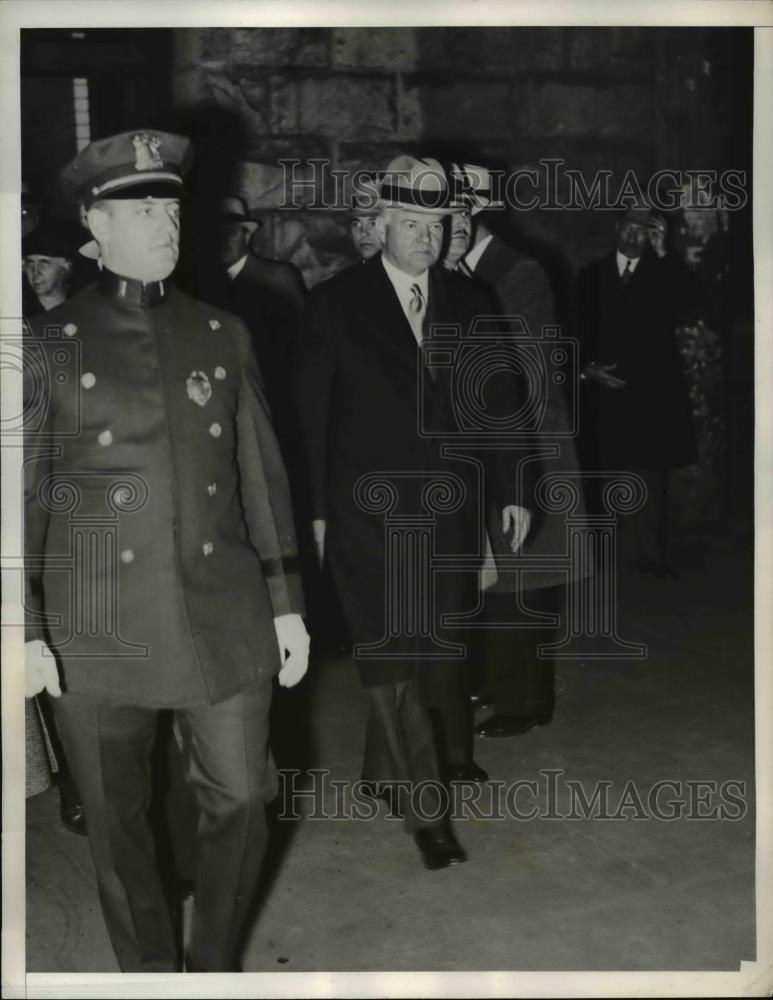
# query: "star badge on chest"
199,388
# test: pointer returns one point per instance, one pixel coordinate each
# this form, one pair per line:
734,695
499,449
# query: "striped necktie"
417,310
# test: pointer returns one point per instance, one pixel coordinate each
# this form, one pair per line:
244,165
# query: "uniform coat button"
215,430
212,489
207,548
127,556
88,380
105,438
70,329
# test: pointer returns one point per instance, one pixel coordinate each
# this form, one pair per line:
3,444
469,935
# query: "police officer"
161,558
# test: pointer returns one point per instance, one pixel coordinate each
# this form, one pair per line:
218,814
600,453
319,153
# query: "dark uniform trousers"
228,767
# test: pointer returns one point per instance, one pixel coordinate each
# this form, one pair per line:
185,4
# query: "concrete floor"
545,894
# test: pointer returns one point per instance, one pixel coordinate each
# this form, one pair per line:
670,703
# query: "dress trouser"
445,688
228,766
520,681
400,747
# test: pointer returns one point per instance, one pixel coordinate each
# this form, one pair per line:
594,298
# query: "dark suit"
520,682
646,426
363,399
159,547
648,423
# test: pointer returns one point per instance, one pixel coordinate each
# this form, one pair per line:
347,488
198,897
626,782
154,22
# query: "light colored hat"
473,184
233,209
420,185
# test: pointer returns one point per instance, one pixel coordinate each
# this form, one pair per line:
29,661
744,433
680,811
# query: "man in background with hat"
365,420
518,681
628,306
362,223
160,557
268,296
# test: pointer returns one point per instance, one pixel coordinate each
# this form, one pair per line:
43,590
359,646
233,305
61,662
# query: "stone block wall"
607,98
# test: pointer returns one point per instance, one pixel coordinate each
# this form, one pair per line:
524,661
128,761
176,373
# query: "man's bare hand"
318,528
40,670
517,519
601,374
294,645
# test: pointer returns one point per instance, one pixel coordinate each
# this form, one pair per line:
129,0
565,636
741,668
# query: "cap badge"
146,155
199,388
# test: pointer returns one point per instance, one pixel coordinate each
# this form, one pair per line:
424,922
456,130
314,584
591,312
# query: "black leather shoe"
376,790
509,725
466,772
439,847
74,818
481,702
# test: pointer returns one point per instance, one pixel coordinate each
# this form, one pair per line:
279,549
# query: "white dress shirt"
235,269
472,257
403,285
622,261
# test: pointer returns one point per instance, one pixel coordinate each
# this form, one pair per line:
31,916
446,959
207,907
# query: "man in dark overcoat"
391,481
519,681
268,296
628,306
160,557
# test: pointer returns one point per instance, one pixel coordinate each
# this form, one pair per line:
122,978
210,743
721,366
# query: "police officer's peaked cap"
134,164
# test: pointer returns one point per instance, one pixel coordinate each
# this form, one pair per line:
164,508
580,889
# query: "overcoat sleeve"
314,379
525,291
39,449
264,487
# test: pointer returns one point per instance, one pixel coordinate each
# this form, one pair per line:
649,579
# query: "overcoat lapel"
385,317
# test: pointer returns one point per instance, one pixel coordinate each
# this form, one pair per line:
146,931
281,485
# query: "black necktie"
625,277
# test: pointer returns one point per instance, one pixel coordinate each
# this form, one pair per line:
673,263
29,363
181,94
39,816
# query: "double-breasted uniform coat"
164,448
159,549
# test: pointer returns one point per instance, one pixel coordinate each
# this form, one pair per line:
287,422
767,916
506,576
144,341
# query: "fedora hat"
416,184
233,209
473,184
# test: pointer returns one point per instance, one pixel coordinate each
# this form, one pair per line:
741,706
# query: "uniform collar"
132,291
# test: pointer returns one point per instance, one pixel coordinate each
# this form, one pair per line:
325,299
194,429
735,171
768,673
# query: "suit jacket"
367,405
648,423
521,288
159,531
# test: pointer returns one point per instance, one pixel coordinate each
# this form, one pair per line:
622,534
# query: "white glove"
40,671
294,644
520,520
